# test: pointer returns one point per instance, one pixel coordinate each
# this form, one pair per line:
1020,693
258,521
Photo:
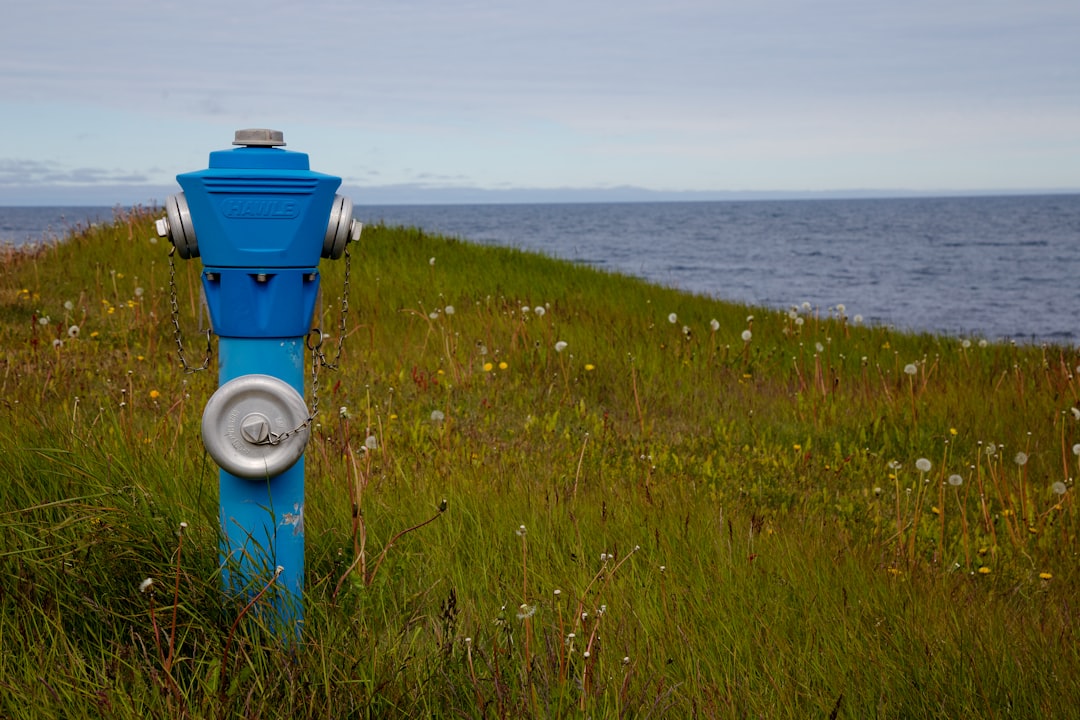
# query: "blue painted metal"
262,520
260,216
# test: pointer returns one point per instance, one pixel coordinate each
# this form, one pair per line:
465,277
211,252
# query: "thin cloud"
21,172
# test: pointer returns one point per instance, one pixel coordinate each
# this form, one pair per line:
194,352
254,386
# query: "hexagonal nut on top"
259,137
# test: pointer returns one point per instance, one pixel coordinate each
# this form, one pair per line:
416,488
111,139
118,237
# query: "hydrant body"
260,220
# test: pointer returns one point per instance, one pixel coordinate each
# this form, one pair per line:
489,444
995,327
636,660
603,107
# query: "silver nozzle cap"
259,137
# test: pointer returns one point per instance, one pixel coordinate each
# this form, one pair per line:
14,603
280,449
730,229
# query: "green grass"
720,524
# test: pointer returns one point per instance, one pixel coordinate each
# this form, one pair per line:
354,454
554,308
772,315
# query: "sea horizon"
987,266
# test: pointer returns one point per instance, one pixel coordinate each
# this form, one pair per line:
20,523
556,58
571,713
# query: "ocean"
969,267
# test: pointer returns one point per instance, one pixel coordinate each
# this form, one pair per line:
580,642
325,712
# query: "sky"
106,102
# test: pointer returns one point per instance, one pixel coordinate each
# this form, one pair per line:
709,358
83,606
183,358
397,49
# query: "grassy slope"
719,517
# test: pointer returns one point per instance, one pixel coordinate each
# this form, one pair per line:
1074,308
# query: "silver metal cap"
241,420
259,137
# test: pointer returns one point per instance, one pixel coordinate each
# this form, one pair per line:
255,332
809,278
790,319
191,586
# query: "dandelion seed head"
371,443
449,310
1059,488
560,346
57,343
911,369
956,480
799,321
807,307
431,261
965,343
146,584
539,310
434,314
1021,459
73,331
858,319
819,347
521,531
840,308
922,465
746,335
68,305
714,324
672,318
983,343
437,416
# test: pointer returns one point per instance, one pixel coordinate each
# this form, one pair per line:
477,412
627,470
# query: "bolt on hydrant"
260,220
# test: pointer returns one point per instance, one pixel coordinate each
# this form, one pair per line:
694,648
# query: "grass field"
656,504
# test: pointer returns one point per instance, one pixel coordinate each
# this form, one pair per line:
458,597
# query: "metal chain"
341,322
318,359
178,335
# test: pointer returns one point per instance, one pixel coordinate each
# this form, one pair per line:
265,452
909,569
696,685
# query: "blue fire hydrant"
260,219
